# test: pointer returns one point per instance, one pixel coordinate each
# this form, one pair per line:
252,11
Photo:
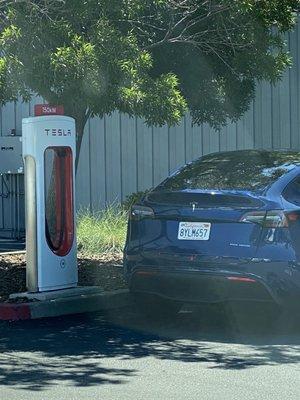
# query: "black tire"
156,307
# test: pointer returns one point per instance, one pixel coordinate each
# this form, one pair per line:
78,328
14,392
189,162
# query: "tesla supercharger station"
49,150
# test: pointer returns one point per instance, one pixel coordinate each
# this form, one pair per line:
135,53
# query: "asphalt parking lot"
200,354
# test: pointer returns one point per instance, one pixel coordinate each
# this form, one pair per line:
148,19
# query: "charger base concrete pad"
58,294
77,304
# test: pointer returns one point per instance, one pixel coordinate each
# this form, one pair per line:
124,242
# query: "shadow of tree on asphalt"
82,350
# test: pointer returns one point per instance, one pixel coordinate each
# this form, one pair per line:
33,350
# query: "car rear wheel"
155,307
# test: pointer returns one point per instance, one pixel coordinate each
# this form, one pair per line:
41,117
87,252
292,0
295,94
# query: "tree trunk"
79,136
81,117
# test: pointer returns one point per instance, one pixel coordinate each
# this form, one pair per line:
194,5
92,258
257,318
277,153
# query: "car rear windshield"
247,170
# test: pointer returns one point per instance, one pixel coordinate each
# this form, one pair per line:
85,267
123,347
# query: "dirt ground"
105,271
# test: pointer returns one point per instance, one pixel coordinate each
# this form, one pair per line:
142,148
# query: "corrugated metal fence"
121,155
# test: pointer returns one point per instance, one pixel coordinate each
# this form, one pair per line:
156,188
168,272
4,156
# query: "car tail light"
138,212
293,216
276,219
255,217
241,279
270,219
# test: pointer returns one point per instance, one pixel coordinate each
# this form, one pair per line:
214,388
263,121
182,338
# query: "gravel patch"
105,271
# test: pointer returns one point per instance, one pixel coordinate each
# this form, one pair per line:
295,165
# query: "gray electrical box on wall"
11,155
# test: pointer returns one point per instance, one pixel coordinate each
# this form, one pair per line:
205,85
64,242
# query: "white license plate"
194,230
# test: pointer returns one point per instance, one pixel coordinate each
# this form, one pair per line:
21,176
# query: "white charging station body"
49,151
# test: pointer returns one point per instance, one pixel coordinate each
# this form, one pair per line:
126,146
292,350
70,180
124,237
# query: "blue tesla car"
225,227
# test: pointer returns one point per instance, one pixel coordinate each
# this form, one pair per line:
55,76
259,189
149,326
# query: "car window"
248,170
292,192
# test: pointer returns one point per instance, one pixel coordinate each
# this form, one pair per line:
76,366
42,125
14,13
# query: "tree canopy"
154,59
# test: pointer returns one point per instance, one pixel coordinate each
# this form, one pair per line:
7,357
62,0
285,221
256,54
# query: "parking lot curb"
104,300
11,253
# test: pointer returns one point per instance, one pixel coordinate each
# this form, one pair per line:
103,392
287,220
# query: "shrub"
102,232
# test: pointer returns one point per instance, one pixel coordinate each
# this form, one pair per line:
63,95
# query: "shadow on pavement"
83,350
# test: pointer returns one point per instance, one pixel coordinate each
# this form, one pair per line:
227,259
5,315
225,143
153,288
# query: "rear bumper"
201,287
205,279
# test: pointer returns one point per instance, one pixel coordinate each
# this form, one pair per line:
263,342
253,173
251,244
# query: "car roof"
288,157
290,154
285,161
